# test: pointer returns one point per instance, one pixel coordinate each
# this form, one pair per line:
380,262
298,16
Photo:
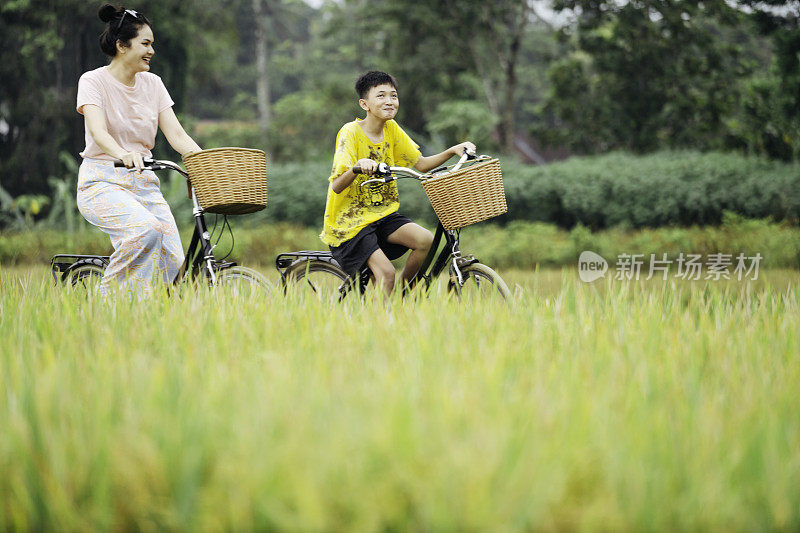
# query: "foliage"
644,75
669,188
10,215
36,102
44,48
765,125
326,107
770,121
463,120
216,134
618,189
520,244
624,406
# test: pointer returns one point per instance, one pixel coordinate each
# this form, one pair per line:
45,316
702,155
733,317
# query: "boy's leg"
419,240
382,270
363,249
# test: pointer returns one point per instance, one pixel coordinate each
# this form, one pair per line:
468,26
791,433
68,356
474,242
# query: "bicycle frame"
449,256
451,252
200,251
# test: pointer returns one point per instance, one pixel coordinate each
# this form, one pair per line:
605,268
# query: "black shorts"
353,253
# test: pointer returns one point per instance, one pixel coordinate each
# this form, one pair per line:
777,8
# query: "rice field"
616,405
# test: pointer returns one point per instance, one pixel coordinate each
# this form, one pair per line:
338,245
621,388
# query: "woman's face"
137,56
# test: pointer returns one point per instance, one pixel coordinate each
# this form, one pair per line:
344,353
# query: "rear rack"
61,263
285,260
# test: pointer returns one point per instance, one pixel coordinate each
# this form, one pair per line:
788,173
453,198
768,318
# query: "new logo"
591,266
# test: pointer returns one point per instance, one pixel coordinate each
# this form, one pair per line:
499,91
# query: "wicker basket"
467,196
229,181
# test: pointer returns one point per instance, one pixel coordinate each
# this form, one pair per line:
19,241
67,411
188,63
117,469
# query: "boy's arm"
344,159
424,164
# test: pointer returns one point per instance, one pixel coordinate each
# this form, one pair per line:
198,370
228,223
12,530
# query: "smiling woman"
124,105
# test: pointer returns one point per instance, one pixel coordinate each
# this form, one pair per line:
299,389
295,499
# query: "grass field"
612,406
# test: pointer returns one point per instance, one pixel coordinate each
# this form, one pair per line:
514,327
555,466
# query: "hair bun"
107,12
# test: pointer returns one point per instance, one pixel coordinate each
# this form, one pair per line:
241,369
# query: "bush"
668,188
664,189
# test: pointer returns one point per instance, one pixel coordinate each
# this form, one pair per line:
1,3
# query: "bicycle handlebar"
387,173
467,155
155,164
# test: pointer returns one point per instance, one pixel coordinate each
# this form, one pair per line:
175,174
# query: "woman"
123,106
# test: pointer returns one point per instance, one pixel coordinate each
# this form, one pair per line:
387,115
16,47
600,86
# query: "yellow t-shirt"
355,207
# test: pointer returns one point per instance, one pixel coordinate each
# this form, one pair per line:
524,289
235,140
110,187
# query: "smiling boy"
362,225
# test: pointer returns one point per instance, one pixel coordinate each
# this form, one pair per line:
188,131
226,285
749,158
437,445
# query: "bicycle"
84,272
319,271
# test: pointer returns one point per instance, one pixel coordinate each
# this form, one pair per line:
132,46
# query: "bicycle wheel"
324,280
480,282
242,281
85,277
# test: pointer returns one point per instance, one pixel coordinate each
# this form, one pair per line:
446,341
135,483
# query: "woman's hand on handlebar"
132,160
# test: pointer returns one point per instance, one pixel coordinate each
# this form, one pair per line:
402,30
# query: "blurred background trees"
537,78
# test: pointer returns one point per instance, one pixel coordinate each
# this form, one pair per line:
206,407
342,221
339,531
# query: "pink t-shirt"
131,112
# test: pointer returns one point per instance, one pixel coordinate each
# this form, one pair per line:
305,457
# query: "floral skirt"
128,206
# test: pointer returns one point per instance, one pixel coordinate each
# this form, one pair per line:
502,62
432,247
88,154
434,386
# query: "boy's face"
381,102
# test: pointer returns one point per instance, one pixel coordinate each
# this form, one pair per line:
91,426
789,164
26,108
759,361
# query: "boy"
362,224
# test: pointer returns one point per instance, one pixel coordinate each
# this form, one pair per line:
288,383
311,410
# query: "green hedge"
668,188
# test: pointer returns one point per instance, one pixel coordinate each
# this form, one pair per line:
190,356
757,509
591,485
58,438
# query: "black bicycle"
319,272
200,265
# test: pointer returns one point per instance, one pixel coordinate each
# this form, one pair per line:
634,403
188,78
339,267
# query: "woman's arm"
175,134
424,164
96,124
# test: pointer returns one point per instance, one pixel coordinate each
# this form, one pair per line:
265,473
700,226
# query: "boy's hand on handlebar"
459,149
365,166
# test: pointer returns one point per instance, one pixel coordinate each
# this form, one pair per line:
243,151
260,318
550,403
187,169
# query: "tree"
444,50
442,45
771,107
262,78
494,34
646,74
44,48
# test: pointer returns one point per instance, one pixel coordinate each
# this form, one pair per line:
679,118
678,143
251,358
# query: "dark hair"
371,79
121,25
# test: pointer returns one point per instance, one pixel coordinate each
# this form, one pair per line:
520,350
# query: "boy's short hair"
371,79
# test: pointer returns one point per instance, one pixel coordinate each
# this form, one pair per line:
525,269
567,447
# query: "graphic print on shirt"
376,196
